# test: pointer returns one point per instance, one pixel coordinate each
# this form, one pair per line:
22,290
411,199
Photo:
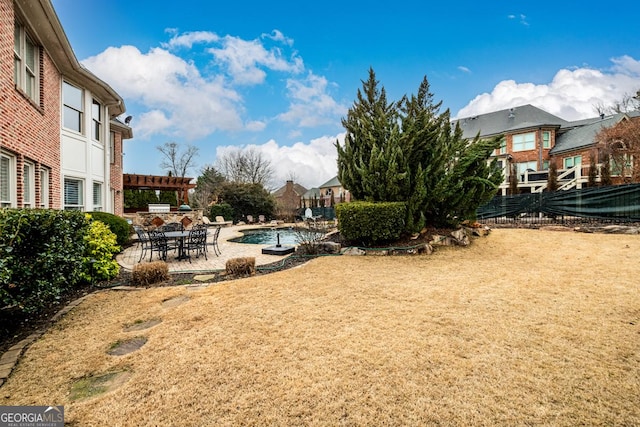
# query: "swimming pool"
268,236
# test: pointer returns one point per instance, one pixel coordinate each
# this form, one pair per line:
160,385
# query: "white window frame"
97,196
569,162
69,204
69,107
503,146
7,180
96,120
546,139
28,185
44,187
26,76
524,141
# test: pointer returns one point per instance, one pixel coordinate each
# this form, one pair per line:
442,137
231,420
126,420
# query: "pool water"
268,236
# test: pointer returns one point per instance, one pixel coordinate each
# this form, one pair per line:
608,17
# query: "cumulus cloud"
192,106
312,164
188,39
311,104
571,95
244,60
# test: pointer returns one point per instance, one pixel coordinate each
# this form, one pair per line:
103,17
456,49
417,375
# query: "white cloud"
571,95
311,105
188,39
279,37
312,164
244,59
192,106
464,69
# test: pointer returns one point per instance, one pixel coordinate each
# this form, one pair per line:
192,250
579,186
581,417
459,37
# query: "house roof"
297,188
311,193
333,182
584,132
510,119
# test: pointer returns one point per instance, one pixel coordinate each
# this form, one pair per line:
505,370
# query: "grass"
524,327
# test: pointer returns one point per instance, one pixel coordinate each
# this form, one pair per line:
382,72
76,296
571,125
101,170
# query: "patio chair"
196,242
214,241
143,241
261,219
160,244
249,219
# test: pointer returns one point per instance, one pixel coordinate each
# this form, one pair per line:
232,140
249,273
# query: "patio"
130,256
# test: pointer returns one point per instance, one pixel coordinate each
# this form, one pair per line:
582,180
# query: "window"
570,162
7,180
28,183
112,147
96,115
546,139
97,196
72,113
44,188
503,146
524,141
621,166
521,168
26,56
545,165
73,194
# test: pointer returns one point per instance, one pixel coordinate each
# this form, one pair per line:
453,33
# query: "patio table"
179,236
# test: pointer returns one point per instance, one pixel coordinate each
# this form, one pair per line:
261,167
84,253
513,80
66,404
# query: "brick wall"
116,175
30,132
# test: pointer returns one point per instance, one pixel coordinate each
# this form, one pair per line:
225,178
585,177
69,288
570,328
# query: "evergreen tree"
408,151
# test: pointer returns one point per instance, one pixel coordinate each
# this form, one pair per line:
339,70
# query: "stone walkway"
131,255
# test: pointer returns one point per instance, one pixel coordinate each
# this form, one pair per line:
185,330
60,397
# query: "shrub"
118,226
41,256
101,248
368,222
223,209
241,266
149,273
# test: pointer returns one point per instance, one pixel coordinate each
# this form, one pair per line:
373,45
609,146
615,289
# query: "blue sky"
279,76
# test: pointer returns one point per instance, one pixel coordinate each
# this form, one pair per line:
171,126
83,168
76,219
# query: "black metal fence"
612,204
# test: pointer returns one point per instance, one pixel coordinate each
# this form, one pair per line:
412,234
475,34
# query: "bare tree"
620,144
627,103
177,161
245,166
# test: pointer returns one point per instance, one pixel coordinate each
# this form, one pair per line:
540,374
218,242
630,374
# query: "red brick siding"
31,132
116,175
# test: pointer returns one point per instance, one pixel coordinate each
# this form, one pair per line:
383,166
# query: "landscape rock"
353,251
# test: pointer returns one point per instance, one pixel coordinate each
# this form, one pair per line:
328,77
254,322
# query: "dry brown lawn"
525,327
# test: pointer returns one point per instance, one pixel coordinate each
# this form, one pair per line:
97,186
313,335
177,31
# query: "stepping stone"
91,386
127,346
176,301
140,325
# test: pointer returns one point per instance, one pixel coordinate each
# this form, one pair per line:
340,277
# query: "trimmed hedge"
368,223
41,256
118,225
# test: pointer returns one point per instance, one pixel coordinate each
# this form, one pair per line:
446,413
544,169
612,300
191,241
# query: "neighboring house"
534,139
334,188
60,141
289,196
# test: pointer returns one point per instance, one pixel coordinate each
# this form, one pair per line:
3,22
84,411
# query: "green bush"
368,223
101,248
222,209
41,256
118,225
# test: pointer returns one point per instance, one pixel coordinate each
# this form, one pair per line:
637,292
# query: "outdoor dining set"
173,237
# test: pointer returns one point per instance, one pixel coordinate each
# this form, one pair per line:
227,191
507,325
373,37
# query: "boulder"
353,251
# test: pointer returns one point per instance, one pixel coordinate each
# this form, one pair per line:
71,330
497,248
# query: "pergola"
163,183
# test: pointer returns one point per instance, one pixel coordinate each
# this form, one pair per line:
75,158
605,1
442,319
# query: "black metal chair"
160,244
143,241
214,241
196,242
